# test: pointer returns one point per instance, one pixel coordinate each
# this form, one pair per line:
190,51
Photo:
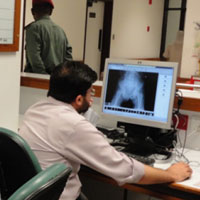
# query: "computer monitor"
139,92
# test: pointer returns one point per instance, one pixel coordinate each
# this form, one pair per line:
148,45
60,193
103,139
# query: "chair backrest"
18,163
48,184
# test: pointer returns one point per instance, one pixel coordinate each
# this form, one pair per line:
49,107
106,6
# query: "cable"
179,156
180,100
178,116
162,153
179,139
177,121
177,91
185,138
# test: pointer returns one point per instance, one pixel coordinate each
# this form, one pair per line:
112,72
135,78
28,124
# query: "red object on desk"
194,80
183,122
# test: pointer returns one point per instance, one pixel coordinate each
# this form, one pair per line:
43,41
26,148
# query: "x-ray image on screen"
131,89
139,92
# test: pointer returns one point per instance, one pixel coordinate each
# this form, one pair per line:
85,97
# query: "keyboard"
111,133
120,143
143,159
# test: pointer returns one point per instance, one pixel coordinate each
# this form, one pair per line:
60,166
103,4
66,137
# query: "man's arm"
33,51
68,51
175,173
91,149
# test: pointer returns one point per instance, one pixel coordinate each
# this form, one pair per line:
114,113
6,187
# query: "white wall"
129,27
10,86
70,15
190,63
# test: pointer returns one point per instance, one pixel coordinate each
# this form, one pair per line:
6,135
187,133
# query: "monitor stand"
145,141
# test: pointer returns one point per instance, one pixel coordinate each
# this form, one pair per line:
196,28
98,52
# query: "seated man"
57,132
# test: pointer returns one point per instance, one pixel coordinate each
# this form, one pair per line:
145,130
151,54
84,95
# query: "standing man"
57,132
46,42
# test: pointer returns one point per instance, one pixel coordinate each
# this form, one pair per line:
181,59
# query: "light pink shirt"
57,133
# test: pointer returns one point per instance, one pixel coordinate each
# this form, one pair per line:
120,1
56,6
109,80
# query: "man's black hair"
70,79
42,8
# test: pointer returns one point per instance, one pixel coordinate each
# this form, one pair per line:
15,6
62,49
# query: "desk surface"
191,185
188,189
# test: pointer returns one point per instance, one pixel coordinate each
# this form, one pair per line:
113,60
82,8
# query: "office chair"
48,184
18,163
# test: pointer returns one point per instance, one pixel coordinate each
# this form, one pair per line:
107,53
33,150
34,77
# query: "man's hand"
177,172
180,171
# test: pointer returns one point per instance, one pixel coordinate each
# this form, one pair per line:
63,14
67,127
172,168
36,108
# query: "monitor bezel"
134,120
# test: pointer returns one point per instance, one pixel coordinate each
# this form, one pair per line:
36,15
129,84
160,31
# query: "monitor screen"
139,92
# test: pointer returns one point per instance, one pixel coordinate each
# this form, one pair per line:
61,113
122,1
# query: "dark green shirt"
46,46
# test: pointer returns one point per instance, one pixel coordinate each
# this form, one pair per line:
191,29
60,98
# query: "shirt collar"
44,17
57,102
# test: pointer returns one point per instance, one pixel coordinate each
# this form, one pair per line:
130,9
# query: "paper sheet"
7,8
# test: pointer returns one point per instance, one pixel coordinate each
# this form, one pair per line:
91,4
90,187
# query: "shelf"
32,82
190,104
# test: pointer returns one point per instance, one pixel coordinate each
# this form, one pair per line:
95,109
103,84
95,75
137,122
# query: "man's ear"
77,103
79,100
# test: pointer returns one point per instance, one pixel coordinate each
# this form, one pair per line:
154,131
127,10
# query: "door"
94,33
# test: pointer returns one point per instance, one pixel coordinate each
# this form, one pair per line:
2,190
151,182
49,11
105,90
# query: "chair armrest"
41,181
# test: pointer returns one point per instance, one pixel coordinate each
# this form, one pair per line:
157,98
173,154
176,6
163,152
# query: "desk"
189,189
